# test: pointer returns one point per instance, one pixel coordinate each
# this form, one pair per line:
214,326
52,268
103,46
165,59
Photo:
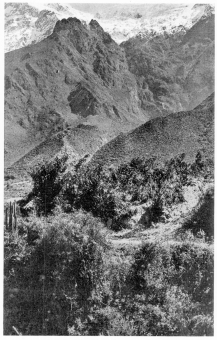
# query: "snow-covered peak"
181,17
30,23
63,10
27,24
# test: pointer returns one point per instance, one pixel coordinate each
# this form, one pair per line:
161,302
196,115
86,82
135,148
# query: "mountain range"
69,85
29,23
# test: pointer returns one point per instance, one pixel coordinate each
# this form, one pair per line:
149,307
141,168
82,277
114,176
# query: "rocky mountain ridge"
30,23
78,76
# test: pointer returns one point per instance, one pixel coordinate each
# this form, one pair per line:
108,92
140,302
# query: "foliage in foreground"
52,279
62,278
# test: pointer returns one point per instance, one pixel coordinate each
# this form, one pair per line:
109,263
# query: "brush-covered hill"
165,137
78,76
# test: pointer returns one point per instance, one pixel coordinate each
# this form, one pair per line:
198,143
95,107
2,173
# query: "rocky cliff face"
174,71
76,75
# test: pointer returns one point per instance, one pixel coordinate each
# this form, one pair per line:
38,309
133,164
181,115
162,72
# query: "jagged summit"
94,24
74,24
66,24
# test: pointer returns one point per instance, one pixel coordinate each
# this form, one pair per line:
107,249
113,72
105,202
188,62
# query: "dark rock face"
82,101
78,72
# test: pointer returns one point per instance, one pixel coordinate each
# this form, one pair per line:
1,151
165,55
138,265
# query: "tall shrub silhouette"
47,183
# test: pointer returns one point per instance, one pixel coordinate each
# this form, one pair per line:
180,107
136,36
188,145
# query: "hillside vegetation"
165,137
64,275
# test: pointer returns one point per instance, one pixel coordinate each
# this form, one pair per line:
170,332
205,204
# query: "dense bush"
165,291
173,289
55,281
108,192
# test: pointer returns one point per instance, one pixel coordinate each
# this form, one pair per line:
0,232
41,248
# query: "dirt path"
16,183
163,231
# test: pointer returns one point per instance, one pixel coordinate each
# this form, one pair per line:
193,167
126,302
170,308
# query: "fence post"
15,215
6,218
10,217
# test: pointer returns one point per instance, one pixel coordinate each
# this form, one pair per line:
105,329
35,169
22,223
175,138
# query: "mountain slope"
165,137
174,71
78,75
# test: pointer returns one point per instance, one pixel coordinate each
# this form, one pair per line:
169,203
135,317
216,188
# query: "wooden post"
15,216
10,217
6,218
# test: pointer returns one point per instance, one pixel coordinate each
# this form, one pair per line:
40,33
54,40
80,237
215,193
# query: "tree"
47,183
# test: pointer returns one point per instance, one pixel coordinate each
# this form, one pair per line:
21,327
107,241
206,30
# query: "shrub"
8,177
88,190
202,218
